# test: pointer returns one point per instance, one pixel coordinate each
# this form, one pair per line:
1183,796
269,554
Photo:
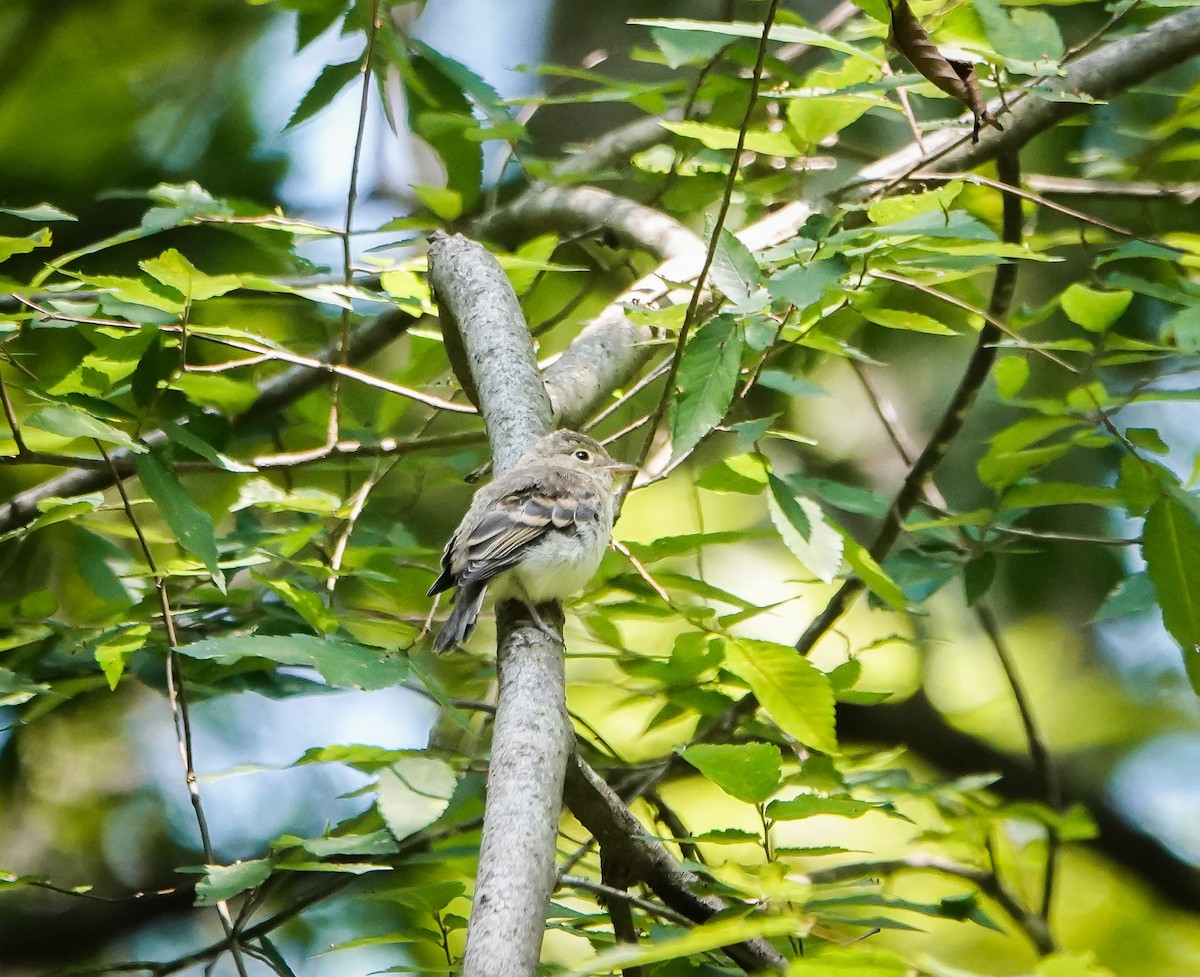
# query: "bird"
536,533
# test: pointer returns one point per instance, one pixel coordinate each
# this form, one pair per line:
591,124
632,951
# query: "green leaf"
708,376
816,118
791,689
180,435
802,526
700,939
173,269
734,270
836,961
1171,548
1142,483
783,33
747,771
221,882
332,79
1096,311
804,285
23,245
813,805
342,664
192,526
413,793
306,603
1148,439
41,212
685,47
67,422
1183,330
725,137
1071,965
1060,493
892,210
745,474
1133,595
112,654
1010,374
1029,36
909,321
870,572
440,114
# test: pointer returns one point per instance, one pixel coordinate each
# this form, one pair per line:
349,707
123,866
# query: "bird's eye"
583,455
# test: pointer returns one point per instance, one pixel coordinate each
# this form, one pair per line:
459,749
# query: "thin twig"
179,707
977,370
1042,763
351,198
11,416
718,226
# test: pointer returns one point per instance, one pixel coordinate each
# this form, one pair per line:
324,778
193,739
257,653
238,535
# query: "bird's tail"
468,600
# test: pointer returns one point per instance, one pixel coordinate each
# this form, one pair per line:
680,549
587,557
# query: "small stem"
179,707
718,226
11,416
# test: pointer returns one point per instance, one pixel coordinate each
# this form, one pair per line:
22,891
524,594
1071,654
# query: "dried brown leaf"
955,78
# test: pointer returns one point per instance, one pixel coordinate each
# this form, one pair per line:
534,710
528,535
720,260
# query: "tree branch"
532,735
274,394
622,837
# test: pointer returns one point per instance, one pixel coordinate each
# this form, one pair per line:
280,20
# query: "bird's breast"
561,564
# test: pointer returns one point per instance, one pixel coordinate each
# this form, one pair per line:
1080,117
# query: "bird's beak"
622,468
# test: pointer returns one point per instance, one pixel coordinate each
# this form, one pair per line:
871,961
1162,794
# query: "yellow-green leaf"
791,689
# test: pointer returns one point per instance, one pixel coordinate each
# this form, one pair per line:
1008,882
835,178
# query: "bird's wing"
525,515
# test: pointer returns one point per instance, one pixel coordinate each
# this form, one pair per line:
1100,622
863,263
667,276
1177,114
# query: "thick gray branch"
622,838
612,348
489,344
532,736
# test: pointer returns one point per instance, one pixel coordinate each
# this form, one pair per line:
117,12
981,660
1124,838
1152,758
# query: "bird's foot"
542,626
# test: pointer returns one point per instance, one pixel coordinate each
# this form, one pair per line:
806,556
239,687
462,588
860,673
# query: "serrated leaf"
707,380
221,882
734,270
342,664
332,79
67,422
1171,548
747,771
413,793
791,690
803,285
192,526
802,526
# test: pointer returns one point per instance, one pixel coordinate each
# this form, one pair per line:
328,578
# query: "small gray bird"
537,533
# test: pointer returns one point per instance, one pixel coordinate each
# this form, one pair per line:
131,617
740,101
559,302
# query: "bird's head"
574,450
